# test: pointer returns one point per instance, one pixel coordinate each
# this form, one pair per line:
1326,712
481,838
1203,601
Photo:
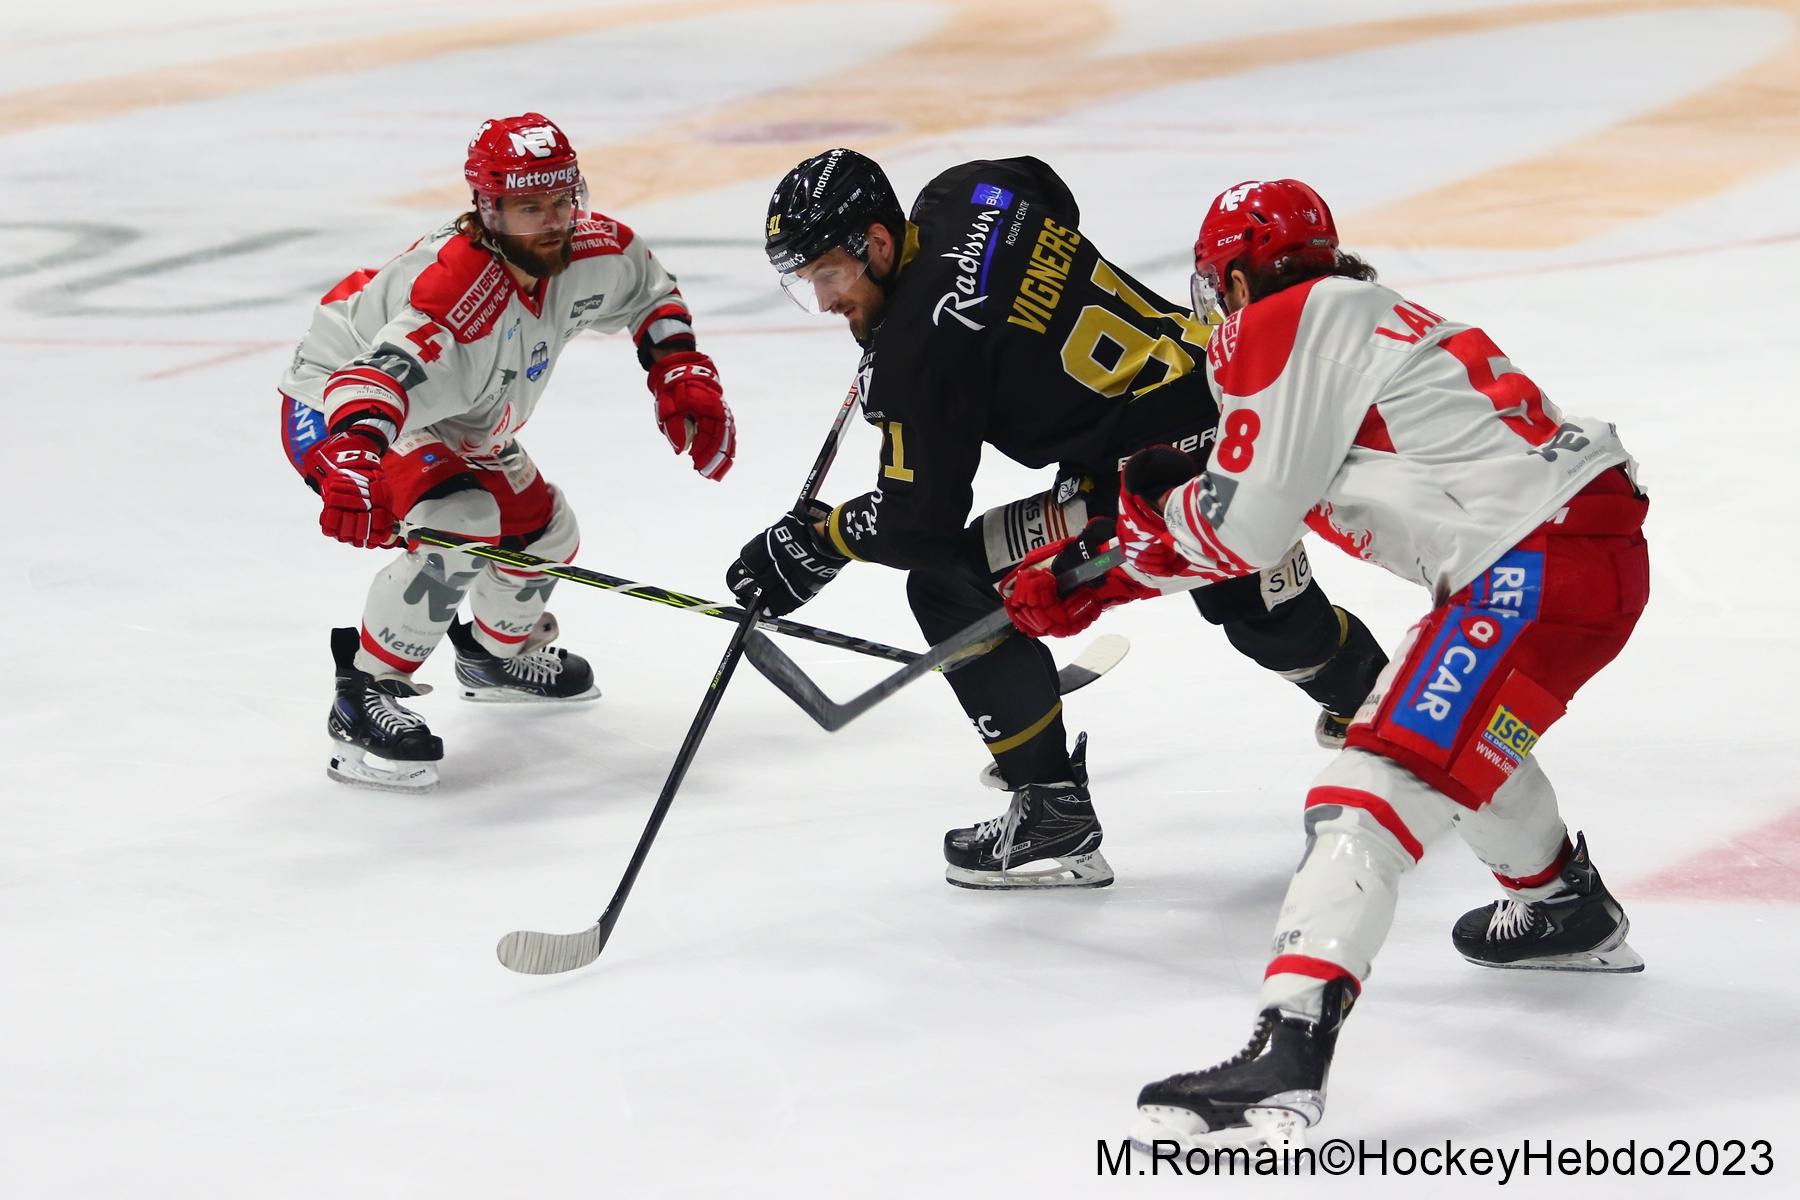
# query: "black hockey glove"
1150,473
786,563
1085,546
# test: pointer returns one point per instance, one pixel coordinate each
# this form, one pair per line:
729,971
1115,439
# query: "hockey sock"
410,605
1519,835
1009,691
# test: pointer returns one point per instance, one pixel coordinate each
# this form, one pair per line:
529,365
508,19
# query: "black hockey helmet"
829,200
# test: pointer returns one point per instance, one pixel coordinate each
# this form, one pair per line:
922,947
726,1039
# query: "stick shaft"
734,650
647,591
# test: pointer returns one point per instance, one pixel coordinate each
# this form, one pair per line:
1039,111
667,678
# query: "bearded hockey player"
1412,442
405,398
990,318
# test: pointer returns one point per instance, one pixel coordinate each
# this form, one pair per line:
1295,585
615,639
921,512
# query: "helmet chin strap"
885,281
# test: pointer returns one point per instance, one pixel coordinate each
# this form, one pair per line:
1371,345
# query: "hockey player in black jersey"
989,318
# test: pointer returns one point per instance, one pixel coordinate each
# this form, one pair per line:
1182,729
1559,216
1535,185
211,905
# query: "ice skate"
1269,1094
1581,928
1344,681
540,673
383,745
1047,837
1331,730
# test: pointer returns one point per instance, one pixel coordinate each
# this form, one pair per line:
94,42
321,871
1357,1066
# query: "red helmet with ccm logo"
520,156
1261,226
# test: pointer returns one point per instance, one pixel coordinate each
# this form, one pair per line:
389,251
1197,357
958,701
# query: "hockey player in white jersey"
405,398
1411,441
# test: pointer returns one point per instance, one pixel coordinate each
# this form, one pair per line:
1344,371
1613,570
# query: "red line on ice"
1759,864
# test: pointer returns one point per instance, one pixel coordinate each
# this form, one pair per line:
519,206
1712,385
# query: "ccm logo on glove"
347,468
691,411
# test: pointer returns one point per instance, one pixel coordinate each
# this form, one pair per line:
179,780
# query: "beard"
532,256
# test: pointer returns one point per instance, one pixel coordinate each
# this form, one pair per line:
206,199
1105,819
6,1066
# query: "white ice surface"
225,975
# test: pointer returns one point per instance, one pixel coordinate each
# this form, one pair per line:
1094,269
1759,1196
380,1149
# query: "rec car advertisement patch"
1474,639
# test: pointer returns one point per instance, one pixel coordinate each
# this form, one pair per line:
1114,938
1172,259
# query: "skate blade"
1614,956
1271,1124
1081,871
505,695
1620,960
351,765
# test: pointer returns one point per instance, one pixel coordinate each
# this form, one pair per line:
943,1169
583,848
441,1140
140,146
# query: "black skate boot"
540,672
367,720
1047,837
1580,928
1270,1093
1343,681
1331,731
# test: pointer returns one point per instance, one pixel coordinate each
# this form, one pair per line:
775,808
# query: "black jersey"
1004,326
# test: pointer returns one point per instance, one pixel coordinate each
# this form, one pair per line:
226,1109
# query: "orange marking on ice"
976,68
1681,152
91,99
1744,126
1761,864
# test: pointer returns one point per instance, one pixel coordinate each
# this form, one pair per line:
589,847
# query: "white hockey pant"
415,597
1368,820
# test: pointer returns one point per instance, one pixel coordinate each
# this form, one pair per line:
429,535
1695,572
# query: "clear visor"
536,213
1204,288
819,285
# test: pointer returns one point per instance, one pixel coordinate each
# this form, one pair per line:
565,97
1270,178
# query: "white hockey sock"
506,605
1520,834
410,605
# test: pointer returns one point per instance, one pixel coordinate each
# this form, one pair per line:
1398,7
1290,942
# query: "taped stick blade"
1096,659
531,953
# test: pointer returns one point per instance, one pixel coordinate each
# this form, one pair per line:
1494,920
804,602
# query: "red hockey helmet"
526,155
1260,227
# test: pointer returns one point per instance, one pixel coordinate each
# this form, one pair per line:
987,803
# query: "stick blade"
793,682
532,953
1096,659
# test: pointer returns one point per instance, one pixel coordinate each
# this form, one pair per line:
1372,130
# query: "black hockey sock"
1011,699
1347,678
1326,651
1009,692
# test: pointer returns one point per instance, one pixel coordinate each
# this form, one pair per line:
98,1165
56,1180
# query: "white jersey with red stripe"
442,339
1399,436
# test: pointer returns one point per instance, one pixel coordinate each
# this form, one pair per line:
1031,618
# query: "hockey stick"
644,591
1093,662
794,683
791,680
533,953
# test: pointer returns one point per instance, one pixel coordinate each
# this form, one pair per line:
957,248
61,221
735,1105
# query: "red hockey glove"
347,468
1143,534
1030,591
691,412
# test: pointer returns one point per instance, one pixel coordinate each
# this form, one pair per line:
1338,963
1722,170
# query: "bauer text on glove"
787,564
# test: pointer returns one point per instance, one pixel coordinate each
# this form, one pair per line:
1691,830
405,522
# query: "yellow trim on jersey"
1025,735
909,247
835,532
